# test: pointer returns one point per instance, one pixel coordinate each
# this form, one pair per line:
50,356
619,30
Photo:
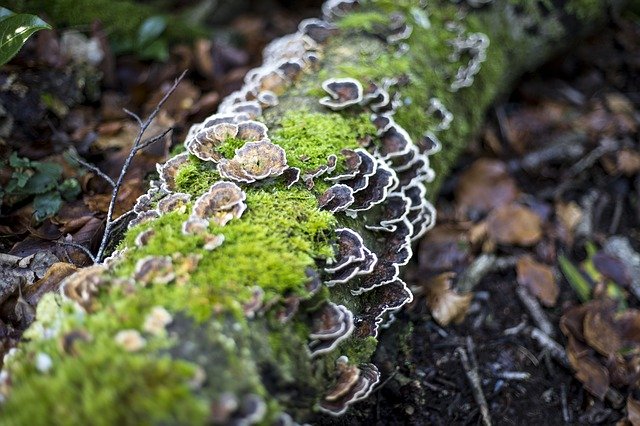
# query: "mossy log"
255,294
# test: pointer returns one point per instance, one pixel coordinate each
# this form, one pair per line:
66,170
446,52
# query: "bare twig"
138,144
565,406
483,265
471,369
535,310
94,169
554,348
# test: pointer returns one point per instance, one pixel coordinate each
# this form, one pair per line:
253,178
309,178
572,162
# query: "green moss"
196,177
584,9
279,236
229,146
366,21
107,387
359,351
309,138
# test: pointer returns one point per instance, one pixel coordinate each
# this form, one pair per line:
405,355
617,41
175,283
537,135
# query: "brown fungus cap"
331,325
255,161
343,92
142,239
393,210
251,108
360,388
176,202
291,176
195,226
382,182
359,267
378,302
154,270
222,202
144,217
394,142
252,131
168,171
84,285
317,29
332,9
336,199
267,98
350,249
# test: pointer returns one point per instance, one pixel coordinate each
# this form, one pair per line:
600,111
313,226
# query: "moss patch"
309,137
280,234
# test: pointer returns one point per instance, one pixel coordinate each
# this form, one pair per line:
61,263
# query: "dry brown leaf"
600,331
445,304
514,224
49,282
538,279
593,376
628,162
569,214
484,186
444,248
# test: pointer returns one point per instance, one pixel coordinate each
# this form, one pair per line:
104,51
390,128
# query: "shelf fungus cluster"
382,185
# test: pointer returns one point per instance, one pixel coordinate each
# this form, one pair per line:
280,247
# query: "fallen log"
253,283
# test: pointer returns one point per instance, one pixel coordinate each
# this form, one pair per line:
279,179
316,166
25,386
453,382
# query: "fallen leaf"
538,279
444,248
593,376
445,304
49,282
599,329
514,224
628,162
612,268
484,186
569,214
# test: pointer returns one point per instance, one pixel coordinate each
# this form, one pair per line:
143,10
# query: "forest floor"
532,273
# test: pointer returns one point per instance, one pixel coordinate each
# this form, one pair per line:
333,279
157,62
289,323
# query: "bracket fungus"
83,285
343,92
169,169
221,203
336,199
254,161
331,325
154,270
354,383
176,202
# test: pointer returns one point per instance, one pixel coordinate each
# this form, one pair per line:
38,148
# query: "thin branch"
94,169
153,140
137,145
470,367
133,115
535,310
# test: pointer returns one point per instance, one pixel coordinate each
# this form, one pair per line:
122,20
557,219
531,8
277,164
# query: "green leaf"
4,13
14,32
575,278
46,205
69,189
44,179
151,29
157,51
17,162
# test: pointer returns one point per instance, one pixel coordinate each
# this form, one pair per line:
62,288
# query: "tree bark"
236,333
